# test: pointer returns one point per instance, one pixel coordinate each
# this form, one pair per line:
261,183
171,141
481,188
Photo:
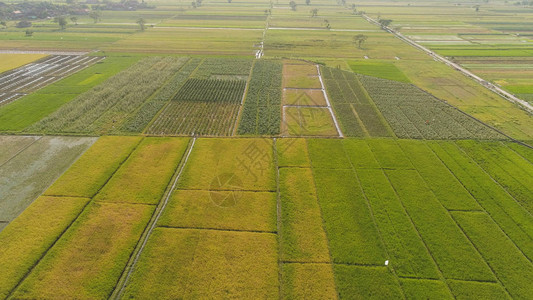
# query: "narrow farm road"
483,82
123,281
327,101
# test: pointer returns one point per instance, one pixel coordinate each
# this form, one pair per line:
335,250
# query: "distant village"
26,11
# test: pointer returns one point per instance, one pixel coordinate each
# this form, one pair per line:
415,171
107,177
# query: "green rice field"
254,149
397,198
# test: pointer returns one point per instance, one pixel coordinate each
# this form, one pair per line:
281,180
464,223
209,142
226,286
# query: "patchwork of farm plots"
208,100
422,200
245,28
493,41
115,104
18,115
369,106
512,73
183,96
269,218
306,109
468,96
19,82
155,95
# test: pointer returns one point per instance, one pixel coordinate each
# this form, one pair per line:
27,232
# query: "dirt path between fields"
43,52
327,101
130,267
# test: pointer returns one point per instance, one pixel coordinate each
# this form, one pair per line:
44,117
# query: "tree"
314,12
74,20
96,16
326,24
3,24
193,4
61,21
307,2
23,24
292,4
385,22
29,32
359,40
141,23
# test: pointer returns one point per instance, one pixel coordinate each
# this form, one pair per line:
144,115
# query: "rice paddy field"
254,150
278,218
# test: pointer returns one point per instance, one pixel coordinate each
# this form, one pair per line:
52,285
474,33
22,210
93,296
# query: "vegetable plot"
357,113
106,107
207,103
262,107
413,113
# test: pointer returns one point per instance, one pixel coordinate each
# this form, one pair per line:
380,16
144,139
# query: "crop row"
345,206
356,111
348,88
412,113
512,217
107,106
418,194
205,98
505,166
30,109
213,67
262,107
146,113
212,90
196,118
